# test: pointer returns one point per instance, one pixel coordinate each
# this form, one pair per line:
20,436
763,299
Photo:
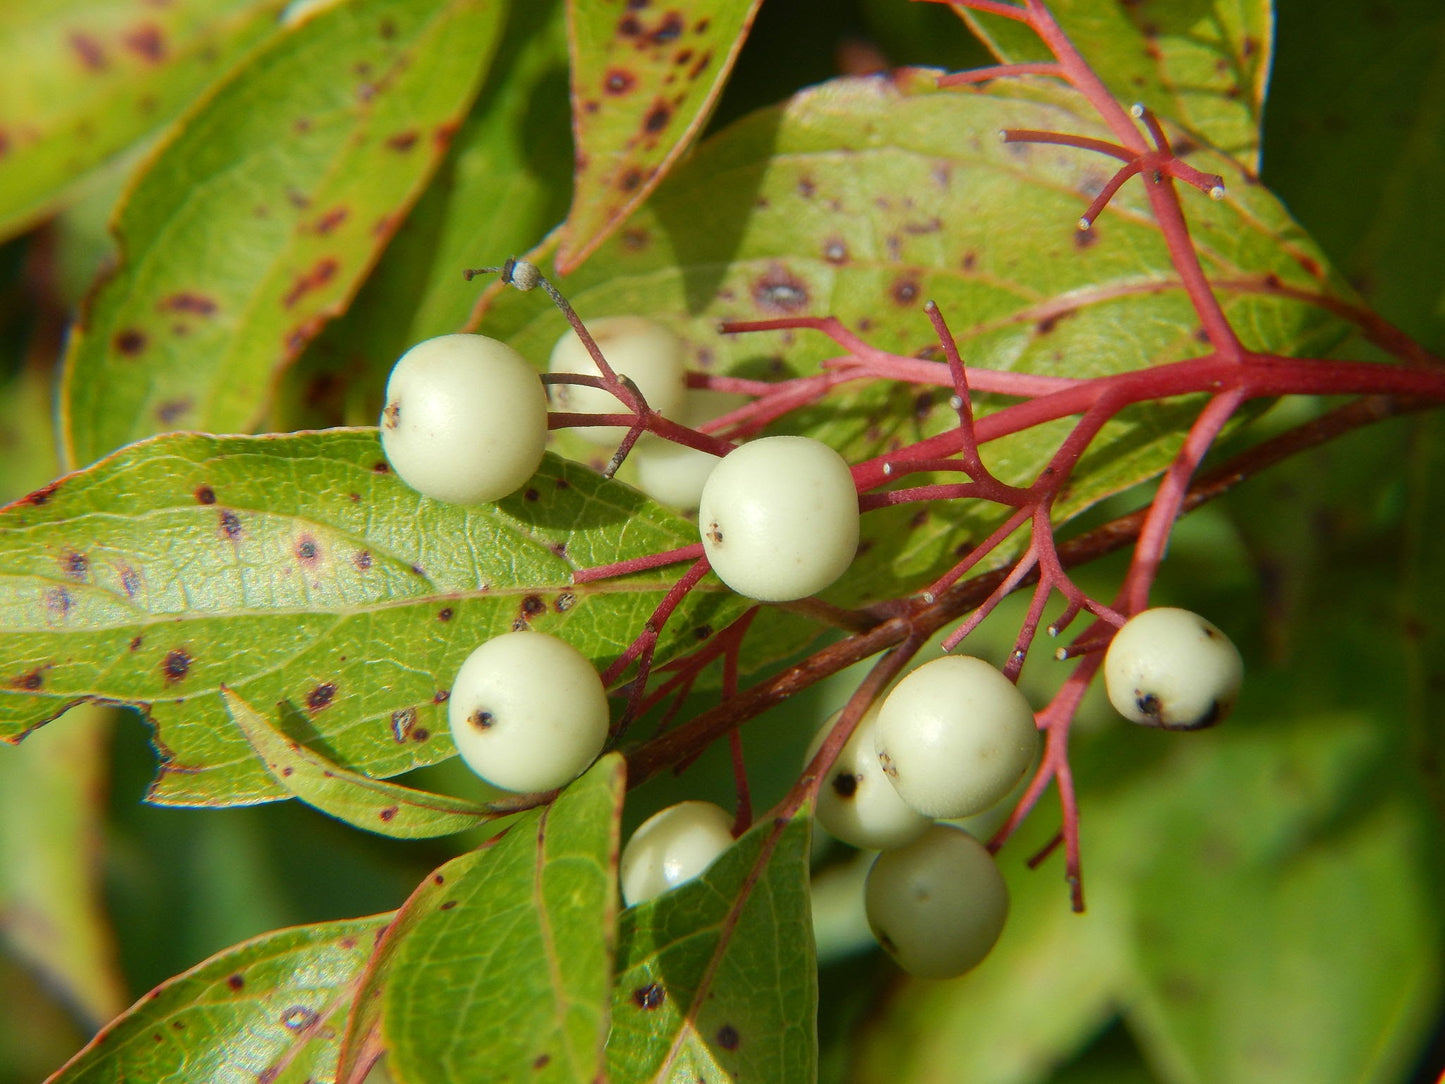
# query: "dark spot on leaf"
307,551
129,342
634,239
388,813
4,144
682,57
235,982
670,29
173,410
778,290
194,304
297,1017
702,632
177,665
441,696
629,26
618,81
445,614
541,1061
387,30
205,495
447,906
31,681
321,696
322,272
361,559
402,141
444,134
231,524
533,605
88,49
657,117
650,996
41,495
845,784
76,565
562,483
402,722
565,601
1310,267
147,42
630,181
530,494
58,601
1046,325
702,61
904,291
331,219
919,518
136,642
835,250
421,733
179,1025
288,771
129,581
728,1037
1086,238
381,467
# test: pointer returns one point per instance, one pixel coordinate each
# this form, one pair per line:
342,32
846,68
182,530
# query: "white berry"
671,847
528,712
465,419
641,349
938,904
856,803
955,736
779,518
674,474
1171,668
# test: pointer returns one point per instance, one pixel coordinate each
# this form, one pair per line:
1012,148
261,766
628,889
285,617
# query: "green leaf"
384,808
508,978
644,80
298,571
864,198
500,189
1205,65
84,79
717,980
260,217
267,1006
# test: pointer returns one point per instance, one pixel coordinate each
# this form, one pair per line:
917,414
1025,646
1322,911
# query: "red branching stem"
1095,209
974,556
1169,499
962,401
726,644
993,7
999,71
1020,570
641,649
744,816
637,564
1066,139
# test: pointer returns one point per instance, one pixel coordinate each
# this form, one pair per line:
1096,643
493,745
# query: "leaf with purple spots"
270,1008
286,185
645,76
363,802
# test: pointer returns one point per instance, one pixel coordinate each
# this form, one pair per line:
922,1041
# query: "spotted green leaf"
384,808
644,79
1204,65
299,572
84,79
267,1009
716,980
261,215
508,978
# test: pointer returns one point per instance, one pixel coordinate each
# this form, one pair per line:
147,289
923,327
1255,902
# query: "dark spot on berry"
533,605
904,291
402,141
205,495
617,81
231,524
147,42
388,813
402,722
531,494
778,290
657,118
845,784
887,942
649,997
728,1037
177,665
321,696
297,1017
362,560
481,719
129,342
714,533
1149,705
76,565
448,905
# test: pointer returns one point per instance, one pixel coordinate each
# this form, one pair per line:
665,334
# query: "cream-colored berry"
1171,668
671,847
856,803
640,349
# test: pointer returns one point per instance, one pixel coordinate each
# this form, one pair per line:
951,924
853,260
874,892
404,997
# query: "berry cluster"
466,421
